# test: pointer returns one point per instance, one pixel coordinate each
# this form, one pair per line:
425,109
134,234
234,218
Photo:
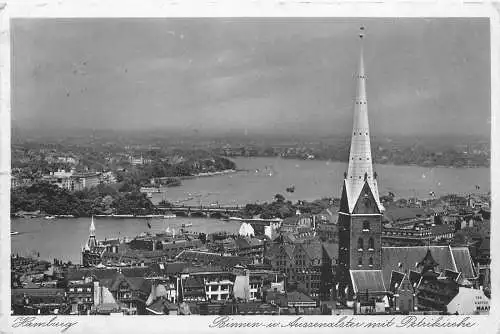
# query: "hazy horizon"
282,77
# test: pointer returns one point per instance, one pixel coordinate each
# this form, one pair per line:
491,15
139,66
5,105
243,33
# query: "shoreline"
208,174
374,162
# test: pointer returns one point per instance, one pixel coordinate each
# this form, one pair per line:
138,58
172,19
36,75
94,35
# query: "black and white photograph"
218,166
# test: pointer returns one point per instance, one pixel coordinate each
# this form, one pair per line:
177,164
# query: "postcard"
232,166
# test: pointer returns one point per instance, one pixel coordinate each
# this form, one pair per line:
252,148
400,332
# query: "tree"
279,198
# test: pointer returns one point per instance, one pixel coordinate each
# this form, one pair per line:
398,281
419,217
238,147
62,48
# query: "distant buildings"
73,181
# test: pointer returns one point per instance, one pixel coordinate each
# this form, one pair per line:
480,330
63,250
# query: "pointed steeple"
92,227
360,169
92,242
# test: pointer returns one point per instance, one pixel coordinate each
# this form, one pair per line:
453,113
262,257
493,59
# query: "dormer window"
366,226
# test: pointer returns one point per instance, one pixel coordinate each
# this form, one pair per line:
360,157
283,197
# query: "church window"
371,243
360,244
366,225
370,262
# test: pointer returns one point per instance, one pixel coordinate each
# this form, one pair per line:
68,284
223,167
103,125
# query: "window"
360,244
370,262
366,225
371,243
360,261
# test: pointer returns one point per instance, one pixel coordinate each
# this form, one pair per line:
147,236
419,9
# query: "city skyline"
270,76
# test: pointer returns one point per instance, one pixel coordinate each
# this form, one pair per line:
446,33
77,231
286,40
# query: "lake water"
265,177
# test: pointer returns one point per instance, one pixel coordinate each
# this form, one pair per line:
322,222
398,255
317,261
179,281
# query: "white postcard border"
226,8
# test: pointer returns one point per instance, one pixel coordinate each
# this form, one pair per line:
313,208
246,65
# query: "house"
252,248
131,293
295,299
309,264
39,301
469,301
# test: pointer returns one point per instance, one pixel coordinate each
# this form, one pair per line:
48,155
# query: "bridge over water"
202,211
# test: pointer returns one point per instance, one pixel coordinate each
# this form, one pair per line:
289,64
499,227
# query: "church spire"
92,227
92,242
360,169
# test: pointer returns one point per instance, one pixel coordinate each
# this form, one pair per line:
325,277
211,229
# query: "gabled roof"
463,262
38,292
99,274
212,258
313,250
371,280
134,283
366,196
395,213
292,221
168,268
194,282
404,259
298,297
139,284
331,249
396,280
414,278
256,308
135,271
442,229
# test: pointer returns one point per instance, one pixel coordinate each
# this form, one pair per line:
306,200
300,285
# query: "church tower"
360,214
91,253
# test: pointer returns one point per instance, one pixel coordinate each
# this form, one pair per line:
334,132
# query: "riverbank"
207,174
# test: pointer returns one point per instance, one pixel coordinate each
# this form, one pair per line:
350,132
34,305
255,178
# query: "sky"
290,76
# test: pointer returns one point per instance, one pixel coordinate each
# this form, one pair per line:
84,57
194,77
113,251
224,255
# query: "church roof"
463,261
371,280
407,259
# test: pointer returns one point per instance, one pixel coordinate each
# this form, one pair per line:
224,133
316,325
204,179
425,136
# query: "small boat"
14,233
170,215
187,225
49,217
